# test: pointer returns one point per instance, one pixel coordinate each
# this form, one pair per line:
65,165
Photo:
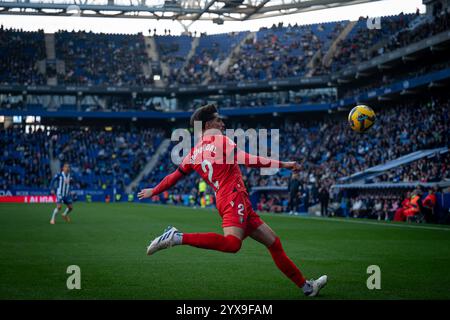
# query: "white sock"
55,211
66,212
178,238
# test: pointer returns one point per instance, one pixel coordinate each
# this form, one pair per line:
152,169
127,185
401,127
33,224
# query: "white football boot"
164,241
312,287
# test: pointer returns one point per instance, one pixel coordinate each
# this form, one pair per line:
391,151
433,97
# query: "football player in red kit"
216,159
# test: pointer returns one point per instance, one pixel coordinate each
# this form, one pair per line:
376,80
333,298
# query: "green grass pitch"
108,243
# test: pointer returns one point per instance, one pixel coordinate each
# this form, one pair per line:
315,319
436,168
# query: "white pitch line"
364,222
324,219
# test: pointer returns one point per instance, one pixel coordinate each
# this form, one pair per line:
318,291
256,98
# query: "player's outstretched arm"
166,183
291,165
253,161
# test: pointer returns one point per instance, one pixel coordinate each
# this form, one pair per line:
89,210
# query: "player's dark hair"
204,114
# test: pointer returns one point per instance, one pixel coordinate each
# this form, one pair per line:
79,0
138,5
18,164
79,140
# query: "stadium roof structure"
216,11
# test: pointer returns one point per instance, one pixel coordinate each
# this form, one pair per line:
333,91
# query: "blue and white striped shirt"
63,184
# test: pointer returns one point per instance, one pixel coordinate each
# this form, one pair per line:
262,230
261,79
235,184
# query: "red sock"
285,264
213,241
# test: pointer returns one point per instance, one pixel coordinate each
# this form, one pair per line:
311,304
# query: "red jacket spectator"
406,204
430,201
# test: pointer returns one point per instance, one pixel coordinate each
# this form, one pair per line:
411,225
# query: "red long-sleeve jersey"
216,159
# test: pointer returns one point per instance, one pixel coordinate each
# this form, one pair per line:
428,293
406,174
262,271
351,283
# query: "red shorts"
236,211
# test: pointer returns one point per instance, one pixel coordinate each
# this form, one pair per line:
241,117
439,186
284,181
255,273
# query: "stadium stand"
424,170
328,151
103,159
19,56
322,142
373,173
173,52
438,23
360,43
290,51
24,159
279,52
100,159
95,59
325,148
209,53
388,204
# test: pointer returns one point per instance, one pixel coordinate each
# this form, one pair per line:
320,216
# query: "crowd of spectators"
99,159
202,65
390,79
440,22
166,166
105,159
102,59
20,52
24,159
168,51
424,170
277,203
278,53
359,44
327,149
416,204
394,33
273,53
376,204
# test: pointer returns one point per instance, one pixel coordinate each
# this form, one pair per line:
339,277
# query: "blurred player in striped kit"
62,182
